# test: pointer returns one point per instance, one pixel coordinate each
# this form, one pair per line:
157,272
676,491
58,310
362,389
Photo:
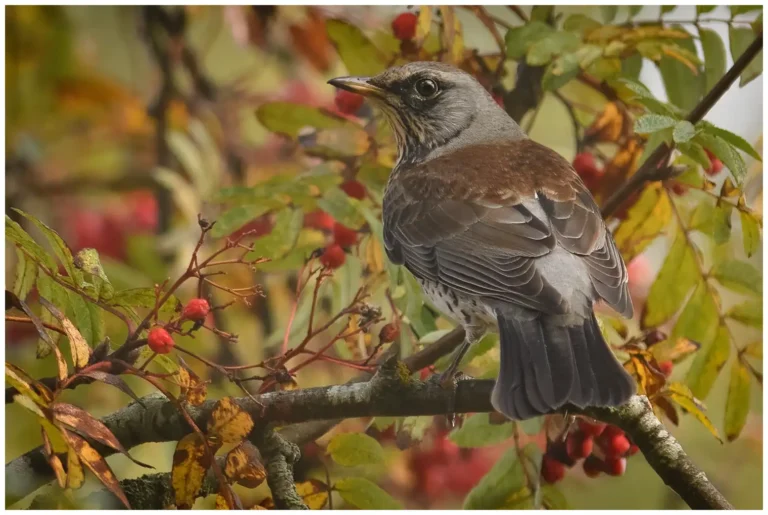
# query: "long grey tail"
545,365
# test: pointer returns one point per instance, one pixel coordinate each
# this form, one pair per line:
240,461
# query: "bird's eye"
427,88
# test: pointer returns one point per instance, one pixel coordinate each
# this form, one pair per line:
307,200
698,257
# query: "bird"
502,235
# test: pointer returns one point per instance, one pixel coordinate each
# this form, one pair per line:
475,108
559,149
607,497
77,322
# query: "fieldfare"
502,234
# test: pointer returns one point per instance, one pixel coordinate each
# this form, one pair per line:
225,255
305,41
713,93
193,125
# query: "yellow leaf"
26,385
229,422
737,405
314,493
708,363
79,348
682,396
644,222
190,463
53,459
96,463
674,349
453,41
608,126
243,466
221,503
424,24
75,472
193,389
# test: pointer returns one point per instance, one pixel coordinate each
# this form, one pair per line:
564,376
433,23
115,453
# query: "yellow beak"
359,85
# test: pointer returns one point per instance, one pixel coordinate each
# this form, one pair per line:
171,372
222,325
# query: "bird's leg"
472,334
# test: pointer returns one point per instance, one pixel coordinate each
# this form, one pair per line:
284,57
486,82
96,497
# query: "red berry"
552,470
614,446
424,373
579,445
319,220
593,466
354,189
348,102
344,236
615,466
196,309
404,26
389,333
591,428
715,165
633,449
160,341
333,256
679,189
666,368
585,165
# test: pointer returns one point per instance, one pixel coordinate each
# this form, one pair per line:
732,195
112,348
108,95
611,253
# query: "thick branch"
383,395
650,169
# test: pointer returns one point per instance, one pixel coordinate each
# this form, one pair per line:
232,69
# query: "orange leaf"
96,463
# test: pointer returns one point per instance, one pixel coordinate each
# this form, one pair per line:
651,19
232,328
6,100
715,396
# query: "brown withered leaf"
53,459
229,423
87,425
96,463
285,381
190,463
79,348
244,466
193,389
674,349
75,472
115,381
668,409
310,39
223,504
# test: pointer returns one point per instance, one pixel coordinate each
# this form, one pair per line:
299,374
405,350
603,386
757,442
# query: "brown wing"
484,241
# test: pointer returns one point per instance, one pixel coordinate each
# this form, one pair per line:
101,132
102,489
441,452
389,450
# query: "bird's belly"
462,308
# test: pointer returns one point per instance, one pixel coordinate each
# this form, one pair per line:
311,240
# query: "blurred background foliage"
124,123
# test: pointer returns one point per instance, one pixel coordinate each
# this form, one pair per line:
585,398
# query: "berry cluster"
603,447
159,338
334,255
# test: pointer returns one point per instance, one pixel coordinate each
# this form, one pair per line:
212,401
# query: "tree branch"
381,396
649,171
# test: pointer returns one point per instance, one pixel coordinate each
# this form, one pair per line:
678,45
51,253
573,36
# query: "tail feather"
545,365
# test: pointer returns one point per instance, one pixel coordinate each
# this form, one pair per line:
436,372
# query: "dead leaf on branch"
229,423
244,466
193,389
190,463
79,348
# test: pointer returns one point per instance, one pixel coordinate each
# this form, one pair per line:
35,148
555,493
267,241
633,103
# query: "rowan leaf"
412,431
520,39
675,280
754,349
356,51
235,218
737,403
750,231
79,348
679,72
314,493
29,404
193,389
53,460
27,385
683,132
505,478
59,296
699,319
282,238
290,119
674,349
59,246
354,449
190,464
75,472
45,339
88,261
15,233
739,276
740,39
478,431
730,138
26,275
644,222
708,363
144,298
97,464
87,425
244,466
580,23
341,207
726,153
552,498
650,123
748,313
365,495
683,397
714,57
229,423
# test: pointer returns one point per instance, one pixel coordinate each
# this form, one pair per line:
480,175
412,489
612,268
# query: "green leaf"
143,298
737,404
358,54
708,362
504,479
560,71
26,275
605,68
650,123
520,39
542,51
748,313
683,132
364,494
725,153
714,57
740,39
703,9
697,153
713,220
739,276
684,87
552,498
676,278
609,12
667,9
644,222
631,66
699,319
754,349
750,231
412,430
580,23
342,207
478,431
285,231
59,246
353,449
729,137
289,119
742,9
58,296
88,261
634,10
80,314
233,219
15,233
542,12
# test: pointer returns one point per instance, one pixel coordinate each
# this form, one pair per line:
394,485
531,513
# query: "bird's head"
431,105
